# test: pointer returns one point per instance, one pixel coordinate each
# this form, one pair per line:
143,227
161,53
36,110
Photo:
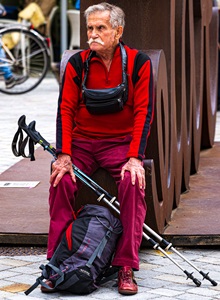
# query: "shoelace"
127,276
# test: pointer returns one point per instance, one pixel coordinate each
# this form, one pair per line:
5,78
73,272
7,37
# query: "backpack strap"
59,272
110,274
99,249
44,275
33,287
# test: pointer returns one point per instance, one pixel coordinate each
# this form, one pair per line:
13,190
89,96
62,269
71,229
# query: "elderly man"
92,134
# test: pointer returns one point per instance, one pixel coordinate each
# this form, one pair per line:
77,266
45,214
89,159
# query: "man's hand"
61,166
134,166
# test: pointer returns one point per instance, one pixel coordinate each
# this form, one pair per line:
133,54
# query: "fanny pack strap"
124,65
92,53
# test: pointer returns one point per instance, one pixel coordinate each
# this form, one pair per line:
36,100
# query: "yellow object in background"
11,39
34,14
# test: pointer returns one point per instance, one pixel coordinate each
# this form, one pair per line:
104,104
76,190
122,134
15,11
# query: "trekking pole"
35,137
169,246
155,245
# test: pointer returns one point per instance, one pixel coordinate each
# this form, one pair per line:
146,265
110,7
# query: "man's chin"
95,46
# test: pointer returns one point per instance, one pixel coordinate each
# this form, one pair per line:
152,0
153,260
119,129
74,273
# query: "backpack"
84,254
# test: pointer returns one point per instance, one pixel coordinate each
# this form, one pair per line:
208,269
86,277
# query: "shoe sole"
16,83
127,292
10,86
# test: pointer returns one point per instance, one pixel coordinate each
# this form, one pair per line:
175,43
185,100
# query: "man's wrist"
134,160
67,156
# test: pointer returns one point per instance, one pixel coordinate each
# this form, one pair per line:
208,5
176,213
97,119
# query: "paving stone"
15,287
8,274
22,278
4,283
210,260
166,292
13,262
193,297
175,279
204,292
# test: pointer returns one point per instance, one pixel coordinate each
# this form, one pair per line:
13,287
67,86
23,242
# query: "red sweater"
74,120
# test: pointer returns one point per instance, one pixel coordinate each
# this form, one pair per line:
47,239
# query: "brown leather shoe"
126,282
45,289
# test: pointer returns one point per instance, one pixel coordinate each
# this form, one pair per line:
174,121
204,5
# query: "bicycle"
27,54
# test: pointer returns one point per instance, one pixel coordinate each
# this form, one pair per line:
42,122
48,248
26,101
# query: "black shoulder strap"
86,66
124,65
79,65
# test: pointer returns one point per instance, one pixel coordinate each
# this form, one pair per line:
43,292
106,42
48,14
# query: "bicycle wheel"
27,55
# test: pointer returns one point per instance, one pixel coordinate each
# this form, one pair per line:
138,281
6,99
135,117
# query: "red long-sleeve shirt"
74,120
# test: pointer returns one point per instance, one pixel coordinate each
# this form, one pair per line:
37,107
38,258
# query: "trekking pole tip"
195,280
206,276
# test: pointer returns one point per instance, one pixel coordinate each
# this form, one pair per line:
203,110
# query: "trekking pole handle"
35,135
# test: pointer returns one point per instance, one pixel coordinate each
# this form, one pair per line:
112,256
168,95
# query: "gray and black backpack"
83,257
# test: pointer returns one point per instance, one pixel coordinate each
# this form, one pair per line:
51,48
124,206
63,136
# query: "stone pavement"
158,277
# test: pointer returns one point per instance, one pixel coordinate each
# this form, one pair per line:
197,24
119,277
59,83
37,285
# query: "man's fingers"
122,173
57,179
133,176
73,176
141,180
136,171
58,172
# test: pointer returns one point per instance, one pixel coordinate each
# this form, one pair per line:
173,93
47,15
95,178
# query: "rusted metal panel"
186,32
210,79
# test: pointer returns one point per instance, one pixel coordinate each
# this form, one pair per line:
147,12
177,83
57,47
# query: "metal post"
63,28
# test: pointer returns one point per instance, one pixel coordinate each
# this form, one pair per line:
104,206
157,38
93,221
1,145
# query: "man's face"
100,30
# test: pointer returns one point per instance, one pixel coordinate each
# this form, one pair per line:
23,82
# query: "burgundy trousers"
109,154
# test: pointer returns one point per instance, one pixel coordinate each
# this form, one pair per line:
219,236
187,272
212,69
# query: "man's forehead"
99,16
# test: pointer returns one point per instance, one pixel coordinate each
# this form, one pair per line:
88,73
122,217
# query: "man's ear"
119,32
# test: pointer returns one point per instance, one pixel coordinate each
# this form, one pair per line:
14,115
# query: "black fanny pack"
106,101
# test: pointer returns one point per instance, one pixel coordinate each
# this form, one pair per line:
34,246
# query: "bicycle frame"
23,52
45,40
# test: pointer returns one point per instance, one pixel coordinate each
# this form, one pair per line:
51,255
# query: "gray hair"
117,16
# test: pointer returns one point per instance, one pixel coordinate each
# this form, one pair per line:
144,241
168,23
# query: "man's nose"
94,33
